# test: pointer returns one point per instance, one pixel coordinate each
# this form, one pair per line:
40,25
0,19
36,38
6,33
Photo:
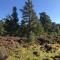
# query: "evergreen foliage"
31,26
30,21
11,23
46,21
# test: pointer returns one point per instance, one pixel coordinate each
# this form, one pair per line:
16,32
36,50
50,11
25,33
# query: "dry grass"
17,51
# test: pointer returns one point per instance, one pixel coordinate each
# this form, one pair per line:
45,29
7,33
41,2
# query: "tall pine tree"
30,19
11,23
46,22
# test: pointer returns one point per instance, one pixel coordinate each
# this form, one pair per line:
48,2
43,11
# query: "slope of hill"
12,49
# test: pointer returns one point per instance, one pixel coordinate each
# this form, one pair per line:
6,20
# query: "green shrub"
31,37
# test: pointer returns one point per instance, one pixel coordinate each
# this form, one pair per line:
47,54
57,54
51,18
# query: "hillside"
28,32
13,49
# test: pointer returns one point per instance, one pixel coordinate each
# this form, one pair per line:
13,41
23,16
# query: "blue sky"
51,7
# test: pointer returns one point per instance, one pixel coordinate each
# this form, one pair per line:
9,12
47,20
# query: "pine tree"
39,29
14,15
15,21
23,29
11,23
29,18
46,22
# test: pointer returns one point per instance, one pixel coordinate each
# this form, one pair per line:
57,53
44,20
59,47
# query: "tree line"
30,25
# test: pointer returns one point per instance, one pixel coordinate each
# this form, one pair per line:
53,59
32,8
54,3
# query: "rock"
3,53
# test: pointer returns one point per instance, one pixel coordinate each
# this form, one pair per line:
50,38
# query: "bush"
31,37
